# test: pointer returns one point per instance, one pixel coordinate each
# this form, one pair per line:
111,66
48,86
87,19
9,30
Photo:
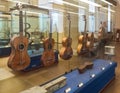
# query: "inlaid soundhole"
49,46
21,46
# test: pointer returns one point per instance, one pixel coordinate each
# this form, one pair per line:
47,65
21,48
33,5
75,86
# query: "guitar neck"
69,27
51,22
21,23
69,24
50,35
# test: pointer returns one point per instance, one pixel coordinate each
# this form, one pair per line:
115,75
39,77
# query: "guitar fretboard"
21,22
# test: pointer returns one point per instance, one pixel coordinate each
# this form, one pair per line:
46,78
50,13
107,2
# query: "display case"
36,27
5,26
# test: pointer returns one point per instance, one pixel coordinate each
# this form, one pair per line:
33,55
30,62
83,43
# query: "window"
81,21
91,18
91,23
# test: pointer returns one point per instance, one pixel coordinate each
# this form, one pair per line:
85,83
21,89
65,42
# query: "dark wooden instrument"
83,40
66,51
48,56
19,58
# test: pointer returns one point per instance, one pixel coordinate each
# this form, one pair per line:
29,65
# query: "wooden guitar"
66,51
19,58
48,56
83,40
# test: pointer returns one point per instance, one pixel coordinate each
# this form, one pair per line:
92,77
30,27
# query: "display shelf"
93,80
5,51
35,56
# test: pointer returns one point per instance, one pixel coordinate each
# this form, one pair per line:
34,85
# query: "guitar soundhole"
49,46
21,46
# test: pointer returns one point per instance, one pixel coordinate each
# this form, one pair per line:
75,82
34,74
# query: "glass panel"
5,26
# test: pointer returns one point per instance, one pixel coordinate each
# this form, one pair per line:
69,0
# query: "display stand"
36,60
90,81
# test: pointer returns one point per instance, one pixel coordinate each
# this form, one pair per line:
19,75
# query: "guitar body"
19,58
66,51
48,56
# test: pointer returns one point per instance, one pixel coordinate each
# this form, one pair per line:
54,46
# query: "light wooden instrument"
83,40
66,51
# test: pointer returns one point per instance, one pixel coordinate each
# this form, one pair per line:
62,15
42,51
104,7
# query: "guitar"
19,58
48,56
66,51
82,40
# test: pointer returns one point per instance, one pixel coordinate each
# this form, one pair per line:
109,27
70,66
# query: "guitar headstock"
19,6
68,16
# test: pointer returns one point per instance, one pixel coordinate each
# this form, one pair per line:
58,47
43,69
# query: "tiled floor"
25,80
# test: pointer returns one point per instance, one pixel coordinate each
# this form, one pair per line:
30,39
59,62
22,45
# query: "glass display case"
5,27
35,25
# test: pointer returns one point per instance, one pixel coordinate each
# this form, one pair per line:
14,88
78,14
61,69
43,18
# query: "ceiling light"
107,9
15,1
67,3
106,2
90,3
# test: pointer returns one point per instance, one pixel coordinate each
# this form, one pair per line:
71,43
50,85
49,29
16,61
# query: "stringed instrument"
19,58
48,56
83,40
66,51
